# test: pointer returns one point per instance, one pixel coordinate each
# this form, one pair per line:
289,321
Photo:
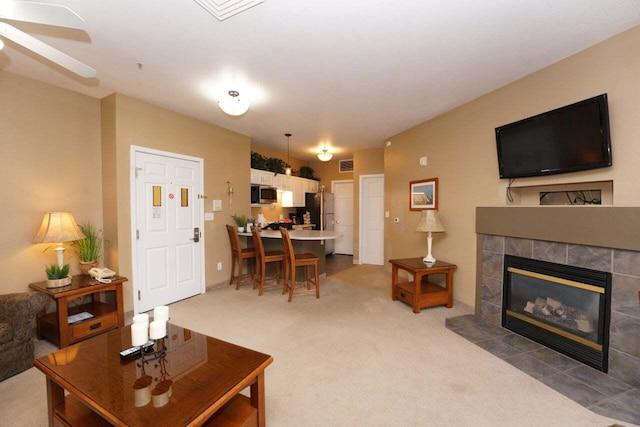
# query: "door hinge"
136,171
137,234
139,295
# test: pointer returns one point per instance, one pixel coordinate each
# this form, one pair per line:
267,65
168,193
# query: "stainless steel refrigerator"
320,206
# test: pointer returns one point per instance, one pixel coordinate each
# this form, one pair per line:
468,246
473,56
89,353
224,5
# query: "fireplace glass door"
563,307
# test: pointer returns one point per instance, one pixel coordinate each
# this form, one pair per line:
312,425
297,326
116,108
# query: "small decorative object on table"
89,249
241,222
58,276
142,330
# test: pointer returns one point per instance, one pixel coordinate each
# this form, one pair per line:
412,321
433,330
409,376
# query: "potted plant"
58,276
241,222
89,249
307,172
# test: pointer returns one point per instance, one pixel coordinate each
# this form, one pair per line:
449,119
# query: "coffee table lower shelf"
238,412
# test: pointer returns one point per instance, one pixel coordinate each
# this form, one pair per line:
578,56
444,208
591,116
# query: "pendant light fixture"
288,169
232,104
325,155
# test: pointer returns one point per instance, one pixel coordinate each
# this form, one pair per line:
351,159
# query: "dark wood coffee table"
197,382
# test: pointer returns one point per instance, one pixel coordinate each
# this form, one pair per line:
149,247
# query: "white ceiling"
350,73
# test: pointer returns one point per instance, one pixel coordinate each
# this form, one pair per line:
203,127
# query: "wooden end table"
54,326
421,293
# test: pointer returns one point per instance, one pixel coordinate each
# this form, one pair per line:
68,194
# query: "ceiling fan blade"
40,13
46,51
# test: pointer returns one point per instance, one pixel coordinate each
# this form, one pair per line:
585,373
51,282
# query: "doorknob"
196,235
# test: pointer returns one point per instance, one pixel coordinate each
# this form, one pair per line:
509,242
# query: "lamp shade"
325,155
233,104
429,221
58,227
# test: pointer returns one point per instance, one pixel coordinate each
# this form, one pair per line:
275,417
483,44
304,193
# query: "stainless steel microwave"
263,194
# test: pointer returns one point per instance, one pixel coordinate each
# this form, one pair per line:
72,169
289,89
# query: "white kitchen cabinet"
310,186
262,177
298,189
283,182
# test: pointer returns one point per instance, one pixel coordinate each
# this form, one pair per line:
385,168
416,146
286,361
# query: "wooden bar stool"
293,261
238,254
262,259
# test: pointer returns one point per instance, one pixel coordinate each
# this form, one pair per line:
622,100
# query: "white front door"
372,219
343,216
168,245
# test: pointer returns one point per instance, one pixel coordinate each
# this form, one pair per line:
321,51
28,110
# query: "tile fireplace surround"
599,238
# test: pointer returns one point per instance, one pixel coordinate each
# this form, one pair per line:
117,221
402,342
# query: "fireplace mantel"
615,227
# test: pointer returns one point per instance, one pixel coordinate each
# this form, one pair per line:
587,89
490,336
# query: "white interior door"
372,219
343,216
167,235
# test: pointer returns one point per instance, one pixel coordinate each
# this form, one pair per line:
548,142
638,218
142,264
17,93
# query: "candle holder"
154,352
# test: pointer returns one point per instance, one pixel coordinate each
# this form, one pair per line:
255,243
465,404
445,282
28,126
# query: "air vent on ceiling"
346,166
223,9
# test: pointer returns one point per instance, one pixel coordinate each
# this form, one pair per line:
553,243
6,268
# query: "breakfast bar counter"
304,241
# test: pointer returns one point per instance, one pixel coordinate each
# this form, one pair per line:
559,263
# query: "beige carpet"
353,358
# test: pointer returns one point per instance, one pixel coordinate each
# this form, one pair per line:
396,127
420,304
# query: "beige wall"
226,155
50,161
461,151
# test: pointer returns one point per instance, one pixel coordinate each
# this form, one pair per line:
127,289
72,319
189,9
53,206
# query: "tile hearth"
599,392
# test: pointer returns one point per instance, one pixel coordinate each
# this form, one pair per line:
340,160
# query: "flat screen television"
571,138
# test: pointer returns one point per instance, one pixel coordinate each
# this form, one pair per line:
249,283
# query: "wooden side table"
421,293
54,326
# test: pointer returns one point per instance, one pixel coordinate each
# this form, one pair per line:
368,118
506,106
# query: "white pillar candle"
157,329
161,313
141,318
139,334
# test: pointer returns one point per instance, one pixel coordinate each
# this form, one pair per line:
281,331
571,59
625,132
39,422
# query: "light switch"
386,214
217,205
208,216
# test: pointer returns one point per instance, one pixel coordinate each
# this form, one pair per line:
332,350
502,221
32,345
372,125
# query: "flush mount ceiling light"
325,155
233,104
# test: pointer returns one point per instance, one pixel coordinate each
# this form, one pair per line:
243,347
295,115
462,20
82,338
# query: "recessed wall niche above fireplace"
563,307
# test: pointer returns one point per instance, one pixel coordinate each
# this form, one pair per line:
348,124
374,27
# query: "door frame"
135,149
362,209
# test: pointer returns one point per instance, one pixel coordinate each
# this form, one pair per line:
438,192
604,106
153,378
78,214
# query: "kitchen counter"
303,226
304,241
299,234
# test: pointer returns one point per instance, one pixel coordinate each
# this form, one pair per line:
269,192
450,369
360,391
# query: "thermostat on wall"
217,205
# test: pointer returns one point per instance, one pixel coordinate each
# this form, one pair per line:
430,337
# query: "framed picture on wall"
423,194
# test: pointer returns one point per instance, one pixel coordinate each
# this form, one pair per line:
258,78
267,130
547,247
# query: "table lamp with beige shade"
429,223
58,227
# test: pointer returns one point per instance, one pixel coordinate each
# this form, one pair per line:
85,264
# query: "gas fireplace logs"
555,312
